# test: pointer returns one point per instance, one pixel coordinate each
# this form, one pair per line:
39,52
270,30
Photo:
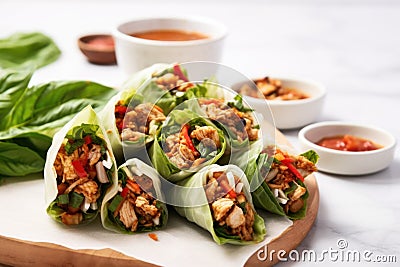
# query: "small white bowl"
134,53
291,114
348,162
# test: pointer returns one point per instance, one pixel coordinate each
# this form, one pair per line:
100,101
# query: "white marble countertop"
352,47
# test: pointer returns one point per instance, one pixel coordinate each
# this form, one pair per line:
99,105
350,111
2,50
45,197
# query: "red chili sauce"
348,143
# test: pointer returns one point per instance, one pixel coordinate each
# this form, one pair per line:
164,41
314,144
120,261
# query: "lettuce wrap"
80,168
131,123
138,203
139,125
220,202
280,177
185,143
234,118
171,87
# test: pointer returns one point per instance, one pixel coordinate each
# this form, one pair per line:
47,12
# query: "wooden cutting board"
17,252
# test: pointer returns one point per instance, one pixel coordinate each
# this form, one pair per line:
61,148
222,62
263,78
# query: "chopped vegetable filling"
80,174
192,145
233,215
135,206
238,120
134,123
283,178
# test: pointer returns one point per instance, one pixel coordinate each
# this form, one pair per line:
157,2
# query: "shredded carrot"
153,236
134,186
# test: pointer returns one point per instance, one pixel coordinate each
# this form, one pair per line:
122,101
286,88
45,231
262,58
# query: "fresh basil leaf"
17,160
22,50
311,155
34,141
12,86
47,107
31,116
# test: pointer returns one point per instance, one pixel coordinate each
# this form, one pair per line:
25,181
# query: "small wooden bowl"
98,48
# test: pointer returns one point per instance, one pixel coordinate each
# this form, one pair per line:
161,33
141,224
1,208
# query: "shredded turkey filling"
172,83
83,182
138,208
230,209
185,155
241,124
280,178
133,123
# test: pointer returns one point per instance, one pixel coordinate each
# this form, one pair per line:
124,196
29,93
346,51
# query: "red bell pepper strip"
124,192
120,125
185,132
87,139
79,170
84,160
288,163
231,191
120,109
178,71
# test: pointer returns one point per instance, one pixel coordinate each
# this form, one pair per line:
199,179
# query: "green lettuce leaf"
141,83
311,155
153,94
128,92
123,149
114,224
194,194
32,50
167,100
263,196
238,104
85,120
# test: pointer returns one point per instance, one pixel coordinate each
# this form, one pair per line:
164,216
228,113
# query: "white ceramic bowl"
291,114
347,162
134,53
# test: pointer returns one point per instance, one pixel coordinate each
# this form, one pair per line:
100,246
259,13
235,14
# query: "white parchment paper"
24,217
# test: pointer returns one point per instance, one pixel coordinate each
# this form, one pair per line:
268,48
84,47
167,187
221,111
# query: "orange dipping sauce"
348,143
169,35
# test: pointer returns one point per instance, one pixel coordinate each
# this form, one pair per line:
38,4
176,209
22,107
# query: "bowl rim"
320,95
117,33
302,138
